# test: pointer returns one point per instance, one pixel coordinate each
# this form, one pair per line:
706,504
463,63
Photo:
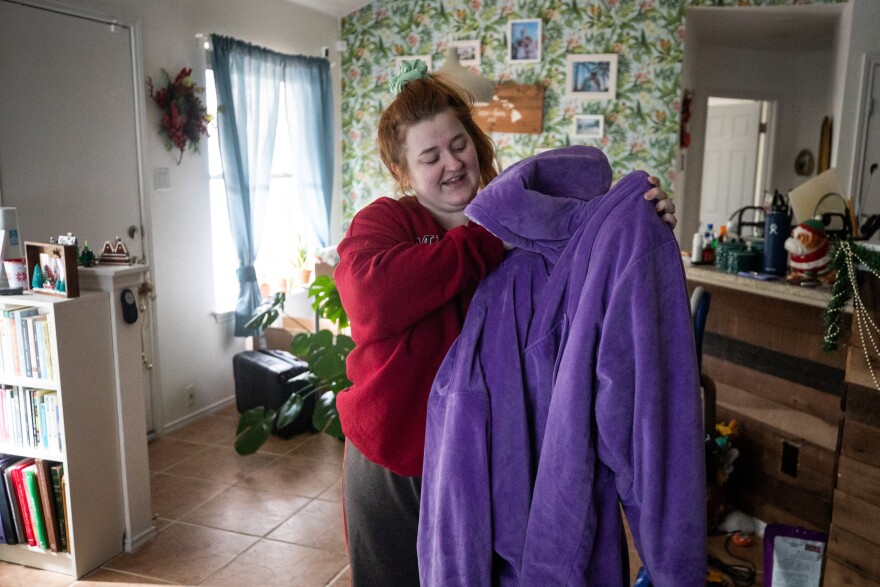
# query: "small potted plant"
325,353
303,262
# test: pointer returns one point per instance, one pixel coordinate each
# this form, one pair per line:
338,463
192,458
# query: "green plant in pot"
325,354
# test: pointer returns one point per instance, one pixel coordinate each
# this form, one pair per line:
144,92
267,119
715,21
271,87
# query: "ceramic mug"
16,273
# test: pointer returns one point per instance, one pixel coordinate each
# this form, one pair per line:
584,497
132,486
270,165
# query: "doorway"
734,161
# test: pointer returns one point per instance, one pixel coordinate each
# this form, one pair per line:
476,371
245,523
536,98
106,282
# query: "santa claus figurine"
810,257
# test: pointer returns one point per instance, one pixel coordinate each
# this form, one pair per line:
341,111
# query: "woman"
408,269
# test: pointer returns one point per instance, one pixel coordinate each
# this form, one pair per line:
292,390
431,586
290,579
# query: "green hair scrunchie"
409,71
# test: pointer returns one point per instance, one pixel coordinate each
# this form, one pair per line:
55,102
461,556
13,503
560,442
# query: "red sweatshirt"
405,283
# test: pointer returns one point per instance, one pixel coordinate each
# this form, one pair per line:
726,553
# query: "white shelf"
84,375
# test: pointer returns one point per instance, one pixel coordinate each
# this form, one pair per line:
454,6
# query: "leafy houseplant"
325,354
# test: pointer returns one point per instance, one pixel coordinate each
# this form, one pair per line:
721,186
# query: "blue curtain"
309,98
249,84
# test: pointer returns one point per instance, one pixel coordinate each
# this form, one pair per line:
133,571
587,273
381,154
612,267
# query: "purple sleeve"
455,519
649,419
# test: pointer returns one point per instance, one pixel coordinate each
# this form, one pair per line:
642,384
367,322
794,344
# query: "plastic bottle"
708,251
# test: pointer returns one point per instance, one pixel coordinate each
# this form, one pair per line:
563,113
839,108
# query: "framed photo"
589,126
468,52
524,40
592,77
426,59
51,269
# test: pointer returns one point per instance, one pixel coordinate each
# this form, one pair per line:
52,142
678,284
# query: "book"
50,354
35,504
14,506
42,417
21,342
40,332
66,517
52,423
28,327
8,344
57,472
18,483
47,499
8,533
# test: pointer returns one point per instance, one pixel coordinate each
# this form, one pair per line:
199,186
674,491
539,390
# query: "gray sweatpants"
381,523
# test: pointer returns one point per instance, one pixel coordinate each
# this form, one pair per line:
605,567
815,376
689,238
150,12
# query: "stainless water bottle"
777,227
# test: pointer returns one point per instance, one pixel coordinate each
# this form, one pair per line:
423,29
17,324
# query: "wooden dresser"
853,554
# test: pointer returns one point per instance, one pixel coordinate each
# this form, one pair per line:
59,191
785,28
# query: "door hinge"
762,128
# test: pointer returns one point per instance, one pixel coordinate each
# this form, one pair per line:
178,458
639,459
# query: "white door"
69,158
730,159
870,183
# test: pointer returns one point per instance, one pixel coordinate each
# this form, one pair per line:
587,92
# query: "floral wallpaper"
641,122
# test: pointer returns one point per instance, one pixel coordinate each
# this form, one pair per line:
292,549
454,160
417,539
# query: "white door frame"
863,110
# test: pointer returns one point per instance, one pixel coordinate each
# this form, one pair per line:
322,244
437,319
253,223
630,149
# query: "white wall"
864,38
193,348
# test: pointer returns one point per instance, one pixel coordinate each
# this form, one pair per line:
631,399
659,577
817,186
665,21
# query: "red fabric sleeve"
389,279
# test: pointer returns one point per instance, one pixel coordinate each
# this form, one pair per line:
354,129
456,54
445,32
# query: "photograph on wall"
426,59
468,52
589,126
524,40
592,77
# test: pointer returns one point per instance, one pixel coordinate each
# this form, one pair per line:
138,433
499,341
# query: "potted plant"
325,353
302,262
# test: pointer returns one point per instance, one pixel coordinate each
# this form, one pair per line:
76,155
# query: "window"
283,232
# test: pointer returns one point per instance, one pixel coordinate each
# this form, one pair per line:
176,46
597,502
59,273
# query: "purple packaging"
793,556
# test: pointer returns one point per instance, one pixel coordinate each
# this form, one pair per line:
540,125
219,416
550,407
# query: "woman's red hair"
423,99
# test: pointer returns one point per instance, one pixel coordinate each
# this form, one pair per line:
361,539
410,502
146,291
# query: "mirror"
70,157
782,60
734,158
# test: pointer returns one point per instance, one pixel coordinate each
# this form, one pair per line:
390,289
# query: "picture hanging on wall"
524,40
589,126
592,77
468,52
426,59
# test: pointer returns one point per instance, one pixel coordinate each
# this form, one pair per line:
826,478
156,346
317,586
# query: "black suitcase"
261,379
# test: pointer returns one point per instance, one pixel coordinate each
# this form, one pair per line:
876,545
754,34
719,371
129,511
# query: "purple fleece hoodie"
572,389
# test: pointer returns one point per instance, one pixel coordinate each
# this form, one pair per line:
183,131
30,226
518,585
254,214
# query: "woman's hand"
662,204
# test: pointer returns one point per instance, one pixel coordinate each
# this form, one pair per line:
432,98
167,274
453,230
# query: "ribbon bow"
409,71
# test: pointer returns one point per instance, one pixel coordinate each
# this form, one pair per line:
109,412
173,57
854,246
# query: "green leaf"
253,430
326,418
289,410
327,302
267,312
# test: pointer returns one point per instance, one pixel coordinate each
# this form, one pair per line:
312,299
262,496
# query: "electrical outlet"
190,395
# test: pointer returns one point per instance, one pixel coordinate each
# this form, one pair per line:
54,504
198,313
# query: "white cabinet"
83,377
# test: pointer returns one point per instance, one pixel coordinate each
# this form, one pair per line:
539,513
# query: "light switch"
161,179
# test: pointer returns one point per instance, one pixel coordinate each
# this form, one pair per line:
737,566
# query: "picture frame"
589,126
468,52
57,263
591,76
524,40
426,59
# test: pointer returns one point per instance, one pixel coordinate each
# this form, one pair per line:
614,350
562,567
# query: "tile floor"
272,518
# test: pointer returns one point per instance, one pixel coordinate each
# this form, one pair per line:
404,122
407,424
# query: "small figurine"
810,257
86,256
114,253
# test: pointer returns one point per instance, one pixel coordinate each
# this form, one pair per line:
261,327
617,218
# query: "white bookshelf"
84,378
